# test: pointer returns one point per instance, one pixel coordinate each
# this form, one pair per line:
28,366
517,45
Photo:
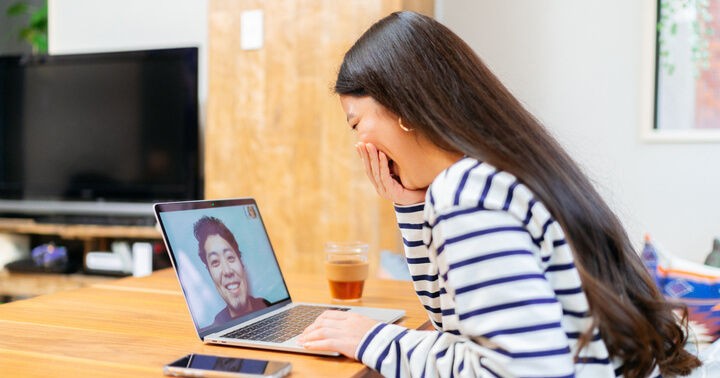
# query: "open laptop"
238,299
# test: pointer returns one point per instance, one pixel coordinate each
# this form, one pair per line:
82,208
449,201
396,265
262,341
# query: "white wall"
82,26
585,68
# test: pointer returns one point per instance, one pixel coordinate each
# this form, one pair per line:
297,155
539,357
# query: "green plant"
35,32
700,33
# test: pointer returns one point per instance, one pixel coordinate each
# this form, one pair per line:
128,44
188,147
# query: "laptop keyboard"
283,326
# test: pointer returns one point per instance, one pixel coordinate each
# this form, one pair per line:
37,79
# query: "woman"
523,269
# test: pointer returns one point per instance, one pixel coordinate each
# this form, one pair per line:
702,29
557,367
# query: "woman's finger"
337,331
364,156
384,174
332,345
334,314
332,337
312,327
374,165
334,331
328,319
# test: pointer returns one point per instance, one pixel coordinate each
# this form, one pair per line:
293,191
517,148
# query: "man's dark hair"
207,226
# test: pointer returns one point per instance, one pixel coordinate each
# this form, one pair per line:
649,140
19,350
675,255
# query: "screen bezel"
209,204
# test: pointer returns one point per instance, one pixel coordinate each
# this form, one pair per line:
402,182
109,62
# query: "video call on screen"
244,222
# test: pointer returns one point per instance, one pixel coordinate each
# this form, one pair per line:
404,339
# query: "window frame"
649,133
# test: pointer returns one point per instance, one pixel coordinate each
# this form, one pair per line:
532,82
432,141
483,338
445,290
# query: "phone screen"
228,364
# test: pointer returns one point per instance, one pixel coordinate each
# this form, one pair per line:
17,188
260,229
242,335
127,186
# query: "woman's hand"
336,331
377,170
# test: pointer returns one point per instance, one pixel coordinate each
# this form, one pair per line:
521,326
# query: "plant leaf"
39,18
26,34
40,42
17,9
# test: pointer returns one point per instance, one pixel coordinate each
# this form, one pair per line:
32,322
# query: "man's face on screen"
227,272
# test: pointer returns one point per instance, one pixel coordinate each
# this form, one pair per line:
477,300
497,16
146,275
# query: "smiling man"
219,250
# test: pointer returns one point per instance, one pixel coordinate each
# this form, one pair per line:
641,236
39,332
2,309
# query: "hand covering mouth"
393,171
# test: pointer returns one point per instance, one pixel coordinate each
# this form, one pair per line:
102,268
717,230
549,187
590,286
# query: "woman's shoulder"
473,187
472,183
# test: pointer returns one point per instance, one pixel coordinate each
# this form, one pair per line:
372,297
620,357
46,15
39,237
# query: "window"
687,81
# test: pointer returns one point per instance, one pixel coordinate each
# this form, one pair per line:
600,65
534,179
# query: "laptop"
238,299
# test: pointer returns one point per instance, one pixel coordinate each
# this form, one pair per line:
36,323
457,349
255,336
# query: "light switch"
251,29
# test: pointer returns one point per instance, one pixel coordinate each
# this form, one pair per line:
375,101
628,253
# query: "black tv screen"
116,127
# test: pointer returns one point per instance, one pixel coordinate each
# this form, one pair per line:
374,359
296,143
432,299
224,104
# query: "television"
98,137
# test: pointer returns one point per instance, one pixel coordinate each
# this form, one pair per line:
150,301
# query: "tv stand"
94,236
69,219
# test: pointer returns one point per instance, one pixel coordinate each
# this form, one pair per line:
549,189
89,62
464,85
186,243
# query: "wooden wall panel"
426,7
277,133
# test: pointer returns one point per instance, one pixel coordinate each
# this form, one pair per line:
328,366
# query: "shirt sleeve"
508,318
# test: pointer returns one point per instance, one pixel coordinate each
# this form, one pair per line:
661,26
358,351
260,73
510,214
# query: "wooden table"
26,285
134,326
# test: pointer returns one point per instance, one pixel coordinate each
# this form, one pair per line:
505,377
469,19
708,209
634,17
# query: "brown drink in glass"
346,268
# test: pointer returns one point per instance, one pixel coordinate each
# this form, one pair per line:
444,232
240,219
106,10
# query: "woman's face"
404,149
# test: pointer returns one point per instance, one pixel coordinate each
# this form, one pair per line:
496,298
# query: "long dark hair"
421,71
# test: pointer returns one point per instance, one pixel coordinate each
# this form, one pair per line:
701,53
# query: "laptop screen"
224,260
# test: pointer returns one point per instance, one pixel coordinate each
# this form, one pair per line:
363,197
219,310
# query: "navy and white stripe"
498,280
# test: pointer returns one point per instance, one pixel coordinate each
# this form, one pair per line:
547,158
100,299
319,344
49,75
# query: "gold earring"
403,126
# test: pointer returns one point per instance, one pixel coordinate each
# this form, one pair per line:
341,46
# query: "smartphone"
202,365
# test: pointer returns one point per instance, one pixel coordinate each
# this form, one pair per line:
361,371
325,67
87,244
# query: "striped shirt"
497,278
